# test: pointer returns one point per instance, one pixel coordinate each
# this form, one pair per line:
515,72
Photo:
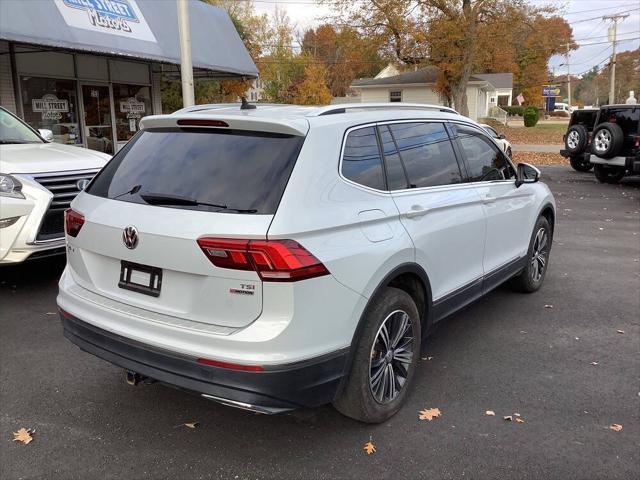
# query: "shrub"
531,116
514,110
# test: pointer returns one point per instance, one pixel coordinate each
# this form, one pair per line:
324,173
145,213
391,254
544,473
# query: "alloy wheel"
602,140
540,255
573,139
391,357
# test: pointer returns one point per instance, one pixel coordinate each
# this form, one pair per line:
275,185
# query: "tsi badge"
130,237
245,289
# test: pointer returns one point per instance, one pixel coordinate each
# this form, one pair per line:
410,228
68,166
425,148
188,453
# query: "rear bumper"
584,155
632,164
283,387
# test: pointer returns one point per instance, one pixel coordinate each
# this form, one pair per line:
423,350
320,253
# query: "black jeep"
615,144
577,140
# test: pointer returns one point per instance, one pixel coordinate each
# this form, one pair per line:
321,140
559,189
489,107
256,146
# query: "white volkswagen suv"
282,256
38,180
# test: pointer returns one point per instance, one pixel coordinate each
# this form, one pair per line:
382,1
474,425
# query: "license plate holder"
140,278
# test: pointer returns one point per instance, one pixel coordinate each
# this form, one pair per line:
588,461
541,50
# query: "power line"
600,18
598,9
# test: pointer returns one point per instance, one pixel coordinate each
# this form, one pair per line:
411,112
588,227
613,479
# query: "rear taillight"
73,222
637,141
199,122
273,260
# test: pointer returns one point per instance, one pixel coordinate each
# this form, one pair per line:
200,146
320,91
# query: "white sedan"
499,139
38,180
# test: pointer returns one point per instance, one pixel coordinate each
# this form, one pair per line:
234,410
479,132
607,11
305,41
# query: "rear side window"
230,171
396,177
484,160
587,118
427,154
361,162
627,117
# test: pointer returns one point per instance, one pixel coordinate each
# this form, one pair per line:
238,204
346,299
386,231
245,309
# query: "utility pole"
186,66
568,78
613,38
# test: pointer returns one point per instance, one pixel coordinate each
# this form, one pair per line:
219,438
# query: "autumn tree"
313,89
460,37
345,54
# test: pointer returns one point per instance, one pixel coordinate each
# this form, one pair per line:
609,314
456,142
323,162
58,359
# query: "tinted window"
427,154
484,160
396,178
587,118
361,162
491,131
627,117
242,170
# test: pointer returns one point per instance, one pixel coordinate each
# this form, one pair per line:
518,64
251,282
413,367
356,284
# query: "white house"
418,86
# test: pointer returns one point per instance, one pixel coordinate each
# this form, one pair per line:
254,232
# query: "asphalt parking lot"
510,353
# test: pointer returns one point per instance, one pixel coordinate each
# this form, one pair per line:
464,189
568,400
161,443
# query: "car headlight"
10,186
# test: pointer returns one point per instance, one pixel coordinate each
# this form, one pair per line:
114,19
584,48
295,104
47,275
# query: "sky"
585,17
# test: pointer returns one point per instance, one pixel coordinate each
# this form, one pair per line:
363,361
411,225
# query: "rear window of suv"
229,171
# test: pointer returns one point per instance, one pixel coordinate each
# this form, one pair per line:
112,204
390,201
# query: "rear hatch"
169,187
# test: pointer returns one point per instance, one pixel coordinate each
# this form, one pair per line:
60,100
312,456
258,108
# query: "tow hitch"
134,378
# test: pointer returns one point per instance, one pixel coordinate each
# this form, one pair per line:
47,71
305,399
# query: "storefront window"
52,104
132,102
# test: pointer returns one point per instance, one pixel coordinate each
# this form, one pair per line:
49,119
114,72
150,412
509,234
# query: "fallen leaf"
593,363
429,414
490,413
369,447
621,332
427,358
548,306
616,427
516,414
50,313
191,424
519,420
24,435
508,418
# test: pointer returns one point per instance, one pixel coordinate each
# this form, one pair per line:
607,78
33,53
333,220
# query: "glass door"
98,118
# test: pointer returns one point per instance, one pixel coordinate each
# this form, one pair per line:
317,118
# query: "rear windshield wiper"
166,199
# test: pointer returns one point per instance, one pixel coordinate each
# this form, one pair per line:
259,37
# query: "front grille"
64,188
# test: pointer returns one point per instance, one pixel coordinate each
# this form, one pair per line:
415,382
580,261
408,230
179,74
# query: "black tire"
357,399
530,279
608,173
576,138
607,140
580,164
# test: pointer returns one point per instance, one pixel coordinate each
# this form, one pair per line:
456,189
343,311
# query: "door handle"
416,211
488,199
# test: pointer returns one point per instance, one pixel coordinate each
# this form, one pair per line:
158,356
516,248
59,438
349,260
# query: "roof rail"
342,108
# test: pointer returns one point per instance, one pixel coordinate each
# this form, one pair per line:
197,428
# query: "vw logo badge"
82,183
130,237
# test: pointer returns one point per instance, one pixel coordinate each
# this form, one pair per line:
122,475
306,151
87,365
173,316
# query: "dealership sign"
550,91
117,17
50,106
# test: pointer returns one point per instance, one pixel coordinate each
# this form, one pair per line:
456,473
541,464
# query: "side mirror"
501,136
46,134
526,173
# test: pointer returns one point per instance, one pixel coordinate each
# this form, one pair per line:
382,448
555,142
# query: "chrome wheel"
572,140
391,356
602,140
540,255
